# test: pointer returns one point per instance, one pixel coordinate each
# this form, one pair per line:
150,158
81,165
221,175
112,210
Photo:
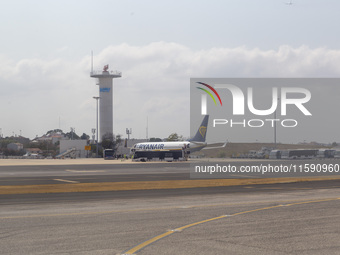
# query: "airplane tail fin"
202,131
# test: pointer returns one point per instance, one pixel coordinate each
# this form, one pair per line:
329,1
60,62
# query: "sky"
45,57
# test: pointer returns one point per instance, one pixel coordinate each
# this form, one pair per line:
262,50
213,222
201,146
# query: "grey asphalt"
45,174
287,218
93,173
112,223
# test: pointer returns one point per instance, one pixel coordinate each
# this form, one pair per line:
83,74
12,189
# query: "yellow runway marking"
156,238
146,185
152,240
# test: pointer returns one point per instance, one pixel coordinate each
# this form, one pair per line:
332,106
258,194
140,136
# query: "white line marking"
84,171
244,176
61,180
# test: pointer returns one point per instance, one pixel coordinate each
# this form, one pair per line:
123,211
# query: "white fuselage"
168,146
176,149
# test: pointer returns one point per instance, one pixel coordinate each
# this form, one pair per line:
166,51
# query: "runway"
282,218
91,173
295,218
52,172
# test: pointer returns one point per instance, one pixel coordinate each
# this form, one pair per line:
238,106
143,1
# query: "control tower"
106,98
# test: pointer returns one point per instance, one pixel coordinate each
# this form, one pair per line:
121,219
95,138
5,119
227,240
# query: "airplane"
175,150
290,2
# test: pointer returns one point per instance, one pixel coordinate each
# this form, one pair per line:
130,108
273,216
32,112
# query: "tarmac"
96,206
51,162
101,161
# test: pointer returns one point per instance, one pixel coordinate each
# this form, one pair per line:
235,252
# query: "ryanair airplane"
175,150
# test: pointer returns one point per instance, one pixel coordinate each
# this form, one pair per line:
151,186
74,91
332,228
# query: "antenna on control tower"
91,61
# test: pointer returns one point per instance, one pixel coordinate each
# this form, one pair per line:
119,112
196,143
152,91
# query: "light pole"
72,132
275,130
278,101
128,132
97,99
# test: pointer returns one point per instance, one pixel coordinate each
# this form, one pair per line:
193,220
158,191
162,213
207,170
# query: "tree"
85,137
110,141
5,141
54,131
72,135
175,137
9,152
153,139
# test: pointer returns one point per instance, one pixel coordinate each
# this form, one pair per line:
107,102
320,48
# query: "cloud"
155,84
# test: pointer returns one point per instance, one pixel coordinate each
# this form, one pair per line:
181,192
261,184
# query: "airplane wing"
218,147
